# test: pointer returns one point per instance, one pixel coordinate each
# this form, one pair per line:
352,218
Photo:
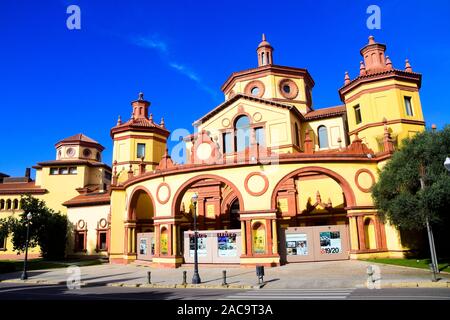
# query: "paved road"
59,292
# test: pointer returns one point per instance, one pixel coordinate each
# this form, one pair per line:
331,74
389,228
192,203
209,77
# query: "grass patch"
41,264
444,264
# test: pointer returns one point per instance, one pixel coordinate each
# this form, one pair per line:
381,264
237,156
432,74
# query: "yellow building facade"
77,174
269,178
278,180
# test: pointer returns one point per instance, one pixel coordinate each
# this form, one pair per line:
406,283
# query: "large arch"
133,198
177,198
346,188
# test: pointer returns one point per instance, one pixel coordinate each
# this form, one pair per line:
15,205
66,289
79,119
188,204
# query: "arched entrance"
312,203
217,210
139,226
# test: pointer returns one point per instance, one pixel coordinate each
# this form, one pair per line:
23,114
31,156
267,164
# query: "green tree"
48,229
398,194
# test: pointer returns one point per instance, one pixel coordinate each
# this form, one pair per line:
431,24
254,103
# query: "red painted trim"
176,202
366,190
264,189
163,201
348,192
131,198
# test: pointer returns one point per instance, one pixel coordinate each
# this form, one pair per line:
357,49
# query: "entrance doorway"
320,243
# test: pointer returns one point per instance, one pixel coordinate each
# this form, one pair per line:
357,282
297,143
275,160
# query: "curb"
405,267
182,286
43,282
428,284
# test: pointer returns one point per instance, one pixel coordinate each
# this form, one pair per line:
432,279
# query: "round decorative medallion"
103,223
70,152
226,122
255,88
87,153
257,116
288,88
81,224
364,180
163,193
204,151
256,184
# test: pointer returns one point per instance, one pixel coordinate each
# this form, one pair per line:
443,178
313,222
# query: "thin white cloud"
151,42
154,42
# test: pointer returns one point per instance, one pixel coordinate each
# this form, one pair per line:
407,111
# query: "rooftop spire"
264,52
373,54
140,107
408,67
346,78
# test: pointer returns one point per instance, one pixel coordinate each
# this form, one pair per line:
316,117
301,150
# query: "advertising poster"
143,246
296,244
202,248
226,243
330,242
259,241
164,243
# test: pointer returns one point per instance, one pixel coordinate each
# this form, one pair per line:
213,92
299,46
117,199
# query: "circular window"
255,91
87,153
255,88
59,154
70,152
288,89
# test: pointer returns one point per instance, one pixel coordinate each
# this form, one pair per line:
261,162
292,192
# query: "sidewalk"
316,275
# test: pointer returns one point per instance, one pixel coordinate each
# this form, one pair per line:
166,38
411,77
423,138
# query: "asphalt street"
14,291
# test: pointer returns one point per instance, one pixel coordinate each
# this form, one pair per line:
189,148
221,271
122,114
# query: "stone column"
274,237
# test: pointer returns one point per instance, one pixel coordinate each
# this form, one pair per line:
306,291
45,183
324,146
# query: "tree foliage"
398,194
48,229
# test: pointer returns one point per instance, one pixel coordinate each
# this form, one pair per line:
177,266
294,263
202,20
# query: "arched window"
2,204
242,133
259,238
15,204
323,137
8,204
235,223
296,137
164,241
369,234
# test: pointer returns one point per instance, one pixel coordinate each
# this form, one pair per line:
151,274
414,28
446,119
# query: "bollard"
260,274
184,278
149,277
224,277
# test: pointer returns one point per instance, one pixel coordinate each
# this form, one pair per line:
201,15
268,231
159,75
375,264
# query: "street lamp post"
196,277
434,263
24,273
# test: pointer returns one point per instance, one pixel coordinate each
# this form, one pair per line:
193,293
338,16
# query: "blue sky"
56,82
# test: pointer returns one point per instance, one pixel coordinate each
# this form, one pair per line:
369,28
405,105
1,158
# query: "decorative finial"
119,121
263,37
162,123
433,127
141,96
407,66
388,62
346,78
371,40
384,120
362,68
150,118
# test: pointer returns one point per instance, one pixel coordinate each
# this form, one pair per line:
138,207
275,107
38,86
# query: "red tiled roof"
21,188
79,138
140,123
89,199
325,113
238,96
71,162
